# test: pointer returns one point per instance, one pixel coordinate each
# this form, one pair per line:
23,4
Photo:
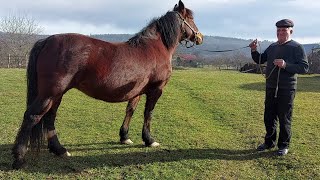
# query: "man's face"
283,34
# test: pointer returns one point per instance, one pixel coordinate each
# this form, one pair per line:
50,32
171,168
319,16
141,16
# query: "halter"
197,34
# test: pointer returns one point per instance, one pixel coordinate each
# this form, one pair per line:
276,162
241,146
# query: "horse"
111,72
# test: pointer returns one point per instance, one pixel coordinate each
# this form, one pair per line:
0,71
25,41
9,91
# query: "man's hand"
280,63
253,45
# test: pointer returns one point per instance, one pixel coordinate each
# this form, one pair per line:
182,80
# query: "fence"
13,61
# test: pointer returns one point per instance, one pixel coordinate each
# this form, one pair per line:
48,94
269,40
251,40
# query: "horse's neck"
174,47
171,49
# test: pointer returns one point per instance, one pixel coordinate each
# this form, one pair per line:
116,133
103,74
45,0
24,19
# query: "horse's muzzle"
198,38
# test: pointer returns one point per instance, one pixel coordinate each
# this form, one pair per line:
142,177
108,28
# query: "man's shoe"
282,152
263,147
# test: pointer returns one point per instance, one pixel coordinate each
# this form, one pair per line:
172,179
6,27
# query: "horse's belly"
125,92
115,93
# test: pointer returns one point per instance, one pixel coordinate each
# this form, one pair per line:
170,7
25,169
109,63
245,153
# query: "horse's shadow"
48,163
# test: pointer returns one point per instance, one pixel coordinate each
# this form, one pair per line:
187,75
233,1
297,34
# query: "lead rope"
276,93
226,50
267,77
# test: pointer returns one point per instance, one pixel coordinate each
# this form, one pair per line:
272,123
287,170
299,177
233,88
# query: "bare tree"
238,59
18,33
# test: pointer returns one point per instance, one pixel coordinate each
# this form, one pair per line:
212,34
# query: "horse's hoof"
154,144
65,155
127,141
18,164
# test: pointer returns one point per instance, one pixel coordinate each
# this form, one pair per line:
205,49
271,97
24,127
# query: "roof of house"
187,56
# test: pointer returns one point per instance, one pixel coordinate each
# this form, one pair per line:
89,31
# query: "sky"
245,19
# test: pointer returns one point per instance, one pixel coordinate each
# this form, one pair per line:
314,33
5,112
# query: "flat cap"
285,23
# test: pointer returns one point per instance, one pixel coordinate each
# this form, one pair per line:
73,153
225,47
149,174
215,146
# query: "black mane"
167,25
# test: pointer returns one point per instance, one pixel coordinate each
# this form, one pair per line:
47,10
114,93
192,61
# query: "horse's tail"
37,132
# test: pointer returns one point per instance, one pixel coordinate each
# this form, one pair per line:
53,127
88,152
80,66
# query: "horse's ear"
175,7
180,7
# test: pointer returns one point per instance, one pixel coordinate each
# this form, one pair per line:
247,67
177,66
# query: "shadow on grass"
48,163
305,84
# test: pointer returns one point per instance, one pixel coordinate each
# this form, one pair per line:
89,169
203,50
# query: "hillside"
211,43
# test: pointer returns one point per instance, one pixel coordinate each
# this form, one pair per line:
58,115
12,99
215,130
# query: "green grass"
207,122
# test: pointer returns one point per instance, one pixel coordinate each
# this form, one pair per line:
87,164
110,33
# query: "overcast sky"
246,19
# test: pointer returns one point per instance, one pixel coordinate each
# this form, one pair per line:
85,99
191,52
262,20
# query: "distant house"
187,57
187,60
252,68
315,48
314,60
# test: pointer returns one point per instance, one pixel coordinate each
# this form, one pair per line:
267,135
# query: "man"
285,59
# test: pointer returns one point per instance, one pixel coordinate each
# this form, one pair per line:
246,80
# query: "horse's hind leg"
32,116
132,104
152,98
54,145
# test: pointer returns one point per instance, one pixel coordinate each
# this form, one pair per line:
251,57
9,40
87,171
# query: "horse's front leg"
152,98
131,107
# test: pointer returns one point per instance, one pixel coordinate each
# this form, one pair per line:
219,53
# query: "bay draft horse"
112,72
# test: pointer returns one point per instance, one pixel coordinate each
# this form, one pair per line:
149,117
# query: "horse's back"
63,57
68,51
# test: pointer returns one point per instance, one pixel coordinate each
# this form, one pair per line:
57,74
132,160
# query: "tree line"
18,33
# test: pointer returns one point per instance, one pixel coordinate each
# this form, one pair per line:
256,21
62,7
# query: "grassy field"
208,124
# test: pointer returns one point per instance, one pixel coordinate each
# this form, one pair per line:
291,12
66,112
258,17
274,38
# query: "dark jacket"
295,57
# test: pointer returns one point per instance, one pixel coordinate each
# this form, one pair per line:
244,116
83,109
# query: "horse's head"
188,27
